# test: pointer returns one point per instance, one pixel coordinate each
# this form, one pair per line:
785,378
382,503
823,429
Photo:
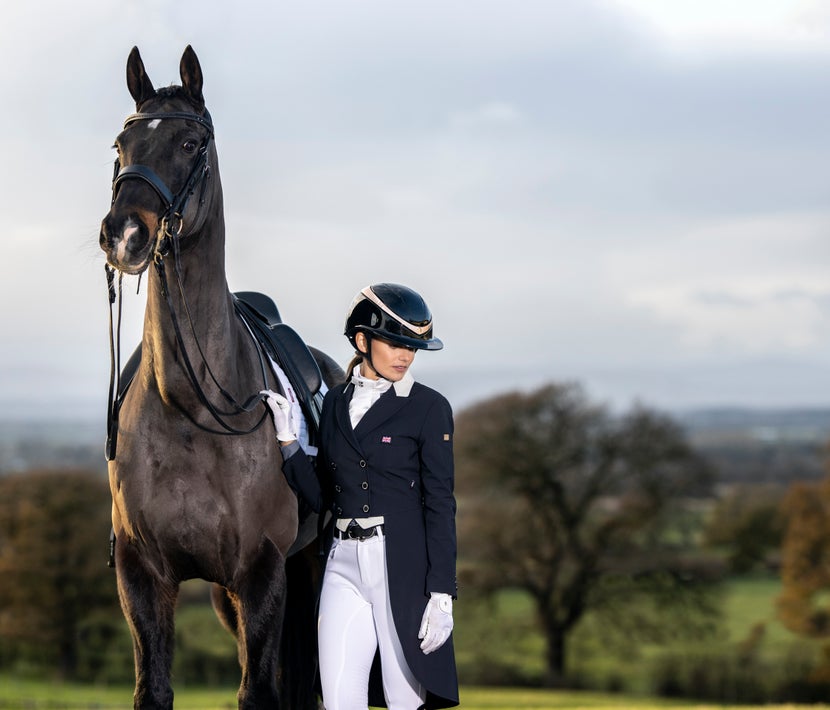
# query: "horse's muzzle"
127,243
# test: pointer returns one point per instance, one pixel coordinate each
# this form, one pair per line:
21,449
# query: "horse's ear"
139,84
191,73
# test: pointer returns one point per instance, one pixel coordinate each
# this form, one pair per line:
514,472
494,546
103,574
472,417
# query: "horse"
195,476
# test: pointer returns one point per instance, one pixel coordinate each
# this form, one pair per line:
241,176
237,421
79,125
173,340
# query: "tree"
575,506
748,523
803,605
53,552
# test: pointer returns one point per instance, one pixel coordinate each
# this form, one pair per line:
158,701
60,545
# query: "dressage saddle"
285,347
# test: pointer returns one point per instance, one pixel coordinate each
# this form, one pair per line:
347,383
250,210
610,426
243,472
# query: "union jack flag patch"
386,440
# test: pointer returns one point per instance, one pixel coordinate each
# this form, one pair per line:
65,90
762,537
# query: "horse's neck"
196,316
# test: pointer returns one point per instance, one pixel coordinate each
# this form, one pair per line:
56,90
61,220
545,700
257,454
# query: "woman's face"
390,360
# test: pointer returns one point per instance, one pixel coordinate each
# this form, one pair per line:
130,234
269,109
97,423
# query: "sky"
631,195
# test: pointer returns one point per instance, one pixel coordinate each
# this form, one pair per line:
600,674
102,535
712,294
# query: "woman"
385,471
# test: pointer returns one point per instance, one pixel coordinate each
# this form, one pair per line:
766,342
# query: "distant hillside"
43,443
805,425
763,445
745,445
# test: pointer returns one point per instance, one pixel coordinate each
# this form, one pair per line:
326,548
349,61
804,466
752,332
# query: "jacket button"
333,465
364,485
338,489
339,510
365,508
362,463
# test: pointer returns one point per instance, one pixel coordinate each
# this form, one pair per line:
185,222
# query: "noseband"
171,223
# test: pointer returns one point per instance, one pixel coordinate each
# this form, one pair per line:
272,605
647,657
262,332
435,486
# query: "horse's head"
165,154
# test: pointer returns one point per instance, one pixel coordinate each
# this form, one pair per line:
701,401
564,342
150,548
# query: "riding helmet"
392,312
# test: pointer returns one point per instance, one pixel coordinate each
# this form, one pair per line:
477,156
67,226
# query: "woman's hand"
436,625
283,421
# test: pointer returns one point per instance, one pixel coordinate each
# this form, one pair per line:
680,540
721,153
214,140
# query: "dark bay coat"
398,463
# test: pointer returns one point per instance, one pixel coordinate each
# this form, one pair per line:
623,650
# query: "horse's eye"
189,146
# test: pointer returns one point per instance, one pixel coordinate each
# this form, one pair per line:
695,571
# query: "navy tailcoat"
398,463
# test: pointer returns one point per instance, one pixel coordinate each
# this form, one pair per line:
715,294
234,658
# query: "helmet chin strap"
367,356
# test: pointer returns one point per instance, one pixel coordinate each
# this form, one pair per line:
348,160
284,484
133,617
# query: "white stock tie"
366,393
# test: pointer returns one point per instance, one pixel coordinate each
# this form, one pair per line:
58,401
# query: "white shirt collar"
402,387
365,384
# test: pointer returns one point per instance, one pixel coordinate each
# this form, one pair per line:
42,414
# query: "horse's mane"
170,92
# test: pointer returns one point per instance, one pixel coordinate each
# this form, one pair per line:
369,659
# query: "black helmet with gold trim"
392,312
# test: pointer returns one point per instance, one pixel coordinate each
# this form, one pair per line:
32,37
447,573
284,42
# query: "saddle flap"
281,341
297,357
284,346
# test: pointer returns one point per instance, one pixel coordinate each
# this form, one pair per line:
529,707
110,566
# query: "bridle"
168,238
171,223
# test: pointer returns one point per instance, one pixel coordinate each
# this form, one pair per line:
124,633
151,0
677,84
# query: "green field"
502,633
42,696
510,645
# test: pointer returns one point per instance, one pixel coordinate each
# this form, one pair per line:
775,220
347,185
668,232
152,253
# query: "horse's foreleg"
149,605
225,608
260,600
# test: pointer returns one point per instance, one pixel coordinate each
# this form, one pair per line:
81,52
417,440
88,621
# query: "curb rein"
168,239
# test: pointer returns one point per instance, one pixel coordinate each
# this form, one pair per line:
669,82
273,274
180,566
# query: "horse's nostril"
105,235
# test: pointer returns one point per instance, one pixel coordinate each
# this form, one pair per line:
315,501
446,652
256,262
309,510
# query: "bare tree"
571,504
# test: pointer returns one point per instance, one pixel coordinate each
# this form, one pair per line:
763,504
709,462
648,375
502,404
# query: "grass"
526,699
751,601
33,695
37,695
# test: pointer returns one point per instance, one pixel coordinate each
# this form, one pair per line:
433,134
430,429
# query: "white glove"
281,409
437,622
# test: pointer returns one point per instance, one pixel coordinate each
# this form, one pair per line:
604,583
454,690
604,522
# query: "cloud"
739,286
579,191
723,24
495,114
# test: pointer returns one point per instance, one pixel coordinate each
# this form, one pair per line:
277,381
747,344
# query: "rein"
217,414
113,405
168,238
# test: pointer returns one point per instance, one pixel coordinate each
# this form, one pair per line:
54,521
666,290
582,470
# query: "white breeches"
355,620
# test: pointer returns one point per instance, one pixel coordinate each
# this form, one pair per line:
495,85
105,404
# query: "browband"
184,115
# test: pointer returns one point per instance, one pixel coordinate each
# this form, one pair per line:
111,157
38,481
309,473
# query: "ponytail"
355,361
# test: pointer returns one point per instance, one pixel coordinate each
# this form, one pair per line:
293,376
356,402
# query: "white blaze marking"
120,251
130,228
154,123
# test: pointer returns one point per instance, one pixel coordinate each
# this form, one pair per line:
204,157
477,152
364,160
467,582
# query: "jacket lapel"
341,416
387,406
